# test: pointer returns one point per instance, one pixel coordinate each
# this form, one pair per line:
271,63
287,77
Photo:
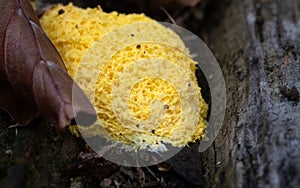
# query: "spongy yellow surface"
162,101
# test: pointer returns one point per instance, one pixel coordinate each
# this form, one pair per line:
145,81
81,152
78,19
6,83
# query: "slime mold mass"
138,73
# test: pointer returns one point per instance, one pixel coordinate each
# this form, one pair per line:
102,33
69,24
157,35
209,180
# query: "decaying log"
257,45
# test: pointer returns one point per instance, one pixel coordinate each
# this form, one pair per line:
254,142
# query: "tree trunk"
257,45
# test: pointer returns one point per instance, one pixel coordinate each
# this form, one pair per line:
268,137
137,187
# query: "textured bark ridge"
257,45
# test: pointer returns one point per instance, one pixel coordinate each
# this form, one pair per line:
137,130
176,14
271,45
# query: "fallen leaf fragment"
189,2
33,78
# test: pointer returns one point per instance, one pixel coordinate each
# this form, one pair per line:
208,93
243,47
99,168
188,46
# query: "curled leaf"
33,78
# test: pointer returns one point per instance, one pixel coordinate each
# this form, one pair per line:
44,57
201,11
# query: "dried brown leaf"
189,2
33,78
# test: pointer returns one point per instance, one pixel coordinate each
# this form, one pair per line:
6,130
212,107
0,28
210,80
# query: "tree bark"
257,45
